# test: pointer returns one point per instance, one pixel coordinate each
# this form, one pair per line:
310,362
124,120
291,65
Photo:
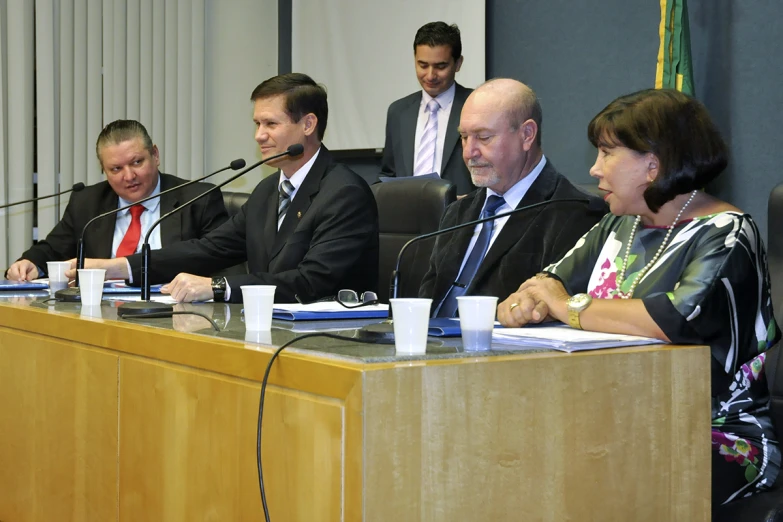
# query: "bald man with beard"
500,130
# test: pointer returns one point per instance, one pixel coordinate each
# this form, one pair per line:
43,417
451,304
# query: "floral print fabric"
709,286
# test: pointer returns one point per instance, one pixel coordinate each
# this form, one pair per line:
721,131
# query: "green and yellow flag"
674,54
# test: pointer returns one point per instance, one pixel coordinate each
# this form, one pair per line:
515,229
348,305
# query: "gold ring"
542,275
512,306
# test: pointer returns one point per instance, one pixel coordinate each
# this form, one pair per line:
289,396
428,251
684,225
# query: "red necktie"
132,236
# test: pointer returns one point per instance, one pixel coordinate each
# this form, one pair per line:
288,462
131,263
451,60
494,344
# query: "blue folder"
122,288
444,327
447,327
13,286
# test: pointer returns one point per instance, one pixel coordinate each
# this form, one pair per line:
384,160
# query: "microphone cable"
263,396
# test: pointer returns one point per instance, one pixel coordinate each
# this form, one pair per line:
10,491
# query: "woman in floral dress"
677,264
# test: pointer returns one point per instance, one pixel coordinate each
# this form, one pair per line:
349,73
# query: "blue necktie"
448,307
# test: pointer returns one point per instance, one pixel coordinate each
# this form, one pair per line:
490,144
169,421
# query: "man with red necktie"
130,161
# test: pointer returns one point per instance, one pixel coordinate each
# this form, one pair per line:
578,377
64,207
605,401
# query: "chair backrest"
408,207
775,261
234,201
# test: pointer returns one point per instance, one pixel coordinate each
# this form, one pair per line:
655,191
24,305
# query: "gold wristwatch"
577,304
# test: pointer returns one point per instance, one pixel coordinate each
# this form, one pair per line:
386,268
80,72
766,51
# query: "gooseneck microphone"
383,332
76,188
73,294
145,306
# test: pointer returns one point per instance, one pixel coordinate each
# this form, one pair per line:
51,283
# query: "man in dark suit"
311,230
130,161
421,129
500,128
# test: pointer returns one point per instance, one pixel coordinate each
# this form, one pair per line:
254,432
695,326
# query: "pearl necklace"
648,266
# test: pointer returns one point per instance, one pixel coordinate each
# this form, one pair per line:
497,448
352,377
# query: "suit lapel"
518,225
452,135
408,119
302,200
171,227
102,235
270,221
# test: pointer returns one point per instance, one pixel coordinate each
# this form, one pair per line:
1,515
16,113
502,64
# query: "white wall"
241,52
362,51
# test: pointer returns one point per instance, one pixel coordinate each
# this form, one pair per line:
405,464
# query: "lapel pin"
299,215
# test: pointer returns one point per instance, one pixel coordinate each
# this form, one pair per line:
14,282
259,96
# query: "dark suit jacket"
194,222
328,240
529,241
400,148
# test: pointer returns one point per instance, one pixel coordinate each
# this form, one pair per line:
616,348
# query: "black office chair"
768,506
233,202
407,208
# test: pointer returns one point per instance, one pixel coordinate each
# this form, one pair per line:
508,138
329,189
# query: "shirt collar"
299,176
150,205
445,98
515,194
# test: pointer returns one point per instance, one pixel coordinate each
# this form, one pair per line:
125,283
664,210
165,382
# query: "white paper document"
565,338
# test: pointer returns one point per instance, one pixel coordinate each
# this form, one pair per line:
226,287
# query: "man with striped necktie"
310,230
421,129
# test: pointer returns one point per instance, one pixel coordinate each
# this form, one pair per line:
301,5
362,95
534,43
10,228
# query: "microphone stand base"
377,333
142,308
69,295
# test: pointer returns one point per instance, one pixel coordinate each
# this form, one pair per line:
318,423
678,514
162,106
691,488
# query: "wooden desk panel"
188,448
58,430
607,435
591,437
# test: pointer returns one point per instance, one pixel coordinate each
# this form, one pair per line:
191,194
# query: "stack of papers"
565,338
328,310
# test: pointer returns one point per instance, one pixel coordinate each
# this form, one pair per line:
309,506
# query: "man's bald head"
515,99
500,131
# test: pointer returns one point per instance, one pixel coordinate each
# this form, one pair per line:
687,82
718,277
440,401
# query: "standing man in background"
421,129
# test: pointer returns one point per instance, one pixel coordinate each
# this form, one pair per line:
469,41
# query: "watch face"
580,301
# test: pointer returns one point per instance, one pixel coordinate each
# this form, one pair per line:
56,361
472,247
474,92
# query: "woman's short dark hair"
673,126
302,97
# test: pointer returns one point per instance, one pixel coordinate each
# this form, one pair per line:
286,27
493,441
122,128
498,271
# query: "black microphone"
76,188
145,306
73,294
383,332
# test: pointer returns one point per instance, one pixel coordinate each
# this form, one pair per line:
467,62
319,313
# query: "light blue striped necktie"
425,161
